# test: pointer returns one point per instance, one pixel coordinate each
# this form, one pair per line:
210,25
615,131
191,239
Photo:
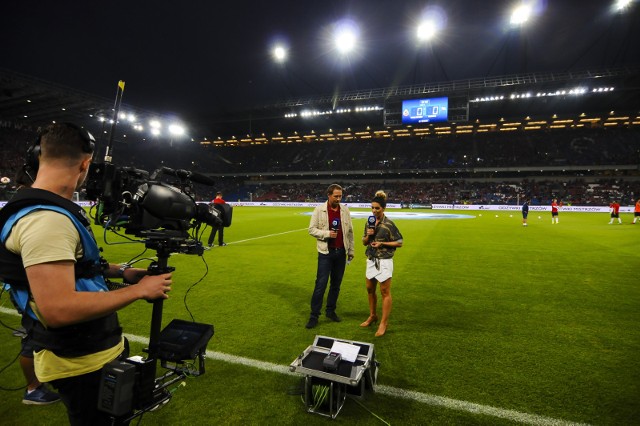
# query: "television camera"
167,218
141,202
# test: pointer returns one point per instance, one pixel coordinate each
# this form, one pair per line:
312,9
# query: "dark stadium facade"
320,139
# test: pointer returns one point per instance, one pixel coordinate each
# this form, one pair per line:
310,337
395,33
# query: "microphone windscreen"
200,178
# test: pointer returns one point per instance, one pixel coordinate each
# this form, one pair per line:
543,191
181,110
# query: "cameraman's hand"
154,286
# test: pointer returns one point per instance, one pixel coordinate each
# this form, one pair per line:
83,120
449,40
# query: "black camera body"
137,201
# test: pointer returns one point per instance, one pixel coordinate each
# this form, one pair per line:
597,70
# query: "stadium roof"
34,102
209,64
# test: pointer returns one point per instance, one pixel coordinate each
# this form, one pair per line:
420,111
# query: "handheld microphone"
335,225
371,222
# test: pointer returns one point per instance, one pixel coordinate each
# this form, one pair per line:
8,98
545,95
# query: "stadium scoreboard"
428,110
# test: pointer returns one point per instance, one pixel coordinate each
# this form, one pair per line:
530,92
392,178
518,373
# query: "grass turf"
541,320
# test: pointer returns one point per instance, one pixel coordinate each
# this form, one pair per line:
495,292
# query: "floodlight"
279,53
176,129
432,20
345,41
426,30
520,14
346,36
155,124
621,5
155,131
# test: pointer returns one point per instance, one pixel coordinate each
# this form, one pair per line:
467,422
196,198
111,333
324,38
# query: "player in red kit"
615,212
554,211
636,212
217,229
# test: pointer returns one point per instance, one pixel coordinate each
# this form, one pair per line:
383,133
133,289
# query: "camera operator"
50,257
36,393
218,227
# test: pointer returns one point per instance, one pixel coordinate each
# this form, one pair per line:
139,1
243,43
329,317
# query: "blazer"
319,228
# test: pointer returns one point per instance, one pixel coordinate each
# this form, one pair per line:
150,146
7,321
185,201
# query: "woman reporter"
381,240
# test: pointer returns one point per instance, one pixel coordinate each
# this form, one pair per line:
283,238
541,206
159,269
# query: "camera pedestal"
325,391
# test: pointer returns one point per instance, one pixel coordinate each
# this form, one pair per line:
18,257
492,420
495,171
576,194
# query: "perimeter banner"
488,207
533,208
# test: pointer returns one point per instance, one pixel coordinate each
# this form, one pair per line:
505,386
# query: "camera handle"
149,393
157,268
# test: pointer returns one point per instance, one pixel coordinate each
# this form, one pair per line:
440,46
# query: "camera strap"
33,196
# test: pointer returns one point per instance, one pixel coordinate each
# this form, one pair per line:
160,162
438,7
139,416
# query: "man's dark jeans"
329,266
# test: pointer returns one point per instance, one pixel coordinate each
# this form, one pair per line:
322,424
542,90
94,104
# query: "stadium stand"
585,166
496,152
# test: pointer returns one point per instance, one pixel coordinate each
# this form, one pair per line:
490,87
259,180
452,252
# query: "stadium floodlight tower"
520,15
279,53
432,20
621,5
177,130
426,31
345,36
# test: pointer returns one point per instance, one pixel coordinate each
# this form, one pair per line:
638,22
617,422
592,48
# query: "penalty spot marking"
424,398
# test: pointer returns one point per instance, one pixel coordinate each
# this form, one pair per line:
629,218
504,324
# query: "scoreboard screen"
429,110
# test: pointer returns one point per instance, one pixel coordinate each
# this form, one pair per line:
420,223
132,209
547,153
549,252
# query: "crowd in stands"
14,144
567,148
501,149
576,192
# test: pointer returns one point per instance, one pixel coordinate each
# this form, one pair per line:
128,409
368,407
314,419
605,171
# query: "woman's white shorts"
383,273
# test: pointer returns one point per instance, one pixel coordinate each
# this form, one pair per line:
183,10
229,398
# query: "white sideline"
266,236
425,398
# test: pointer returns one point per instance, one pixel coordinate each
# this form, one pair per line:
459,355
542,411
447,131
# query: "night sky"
199,59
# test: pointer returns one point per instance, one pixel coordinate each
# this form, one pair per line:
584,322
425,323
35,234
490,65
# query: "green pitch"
542,321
